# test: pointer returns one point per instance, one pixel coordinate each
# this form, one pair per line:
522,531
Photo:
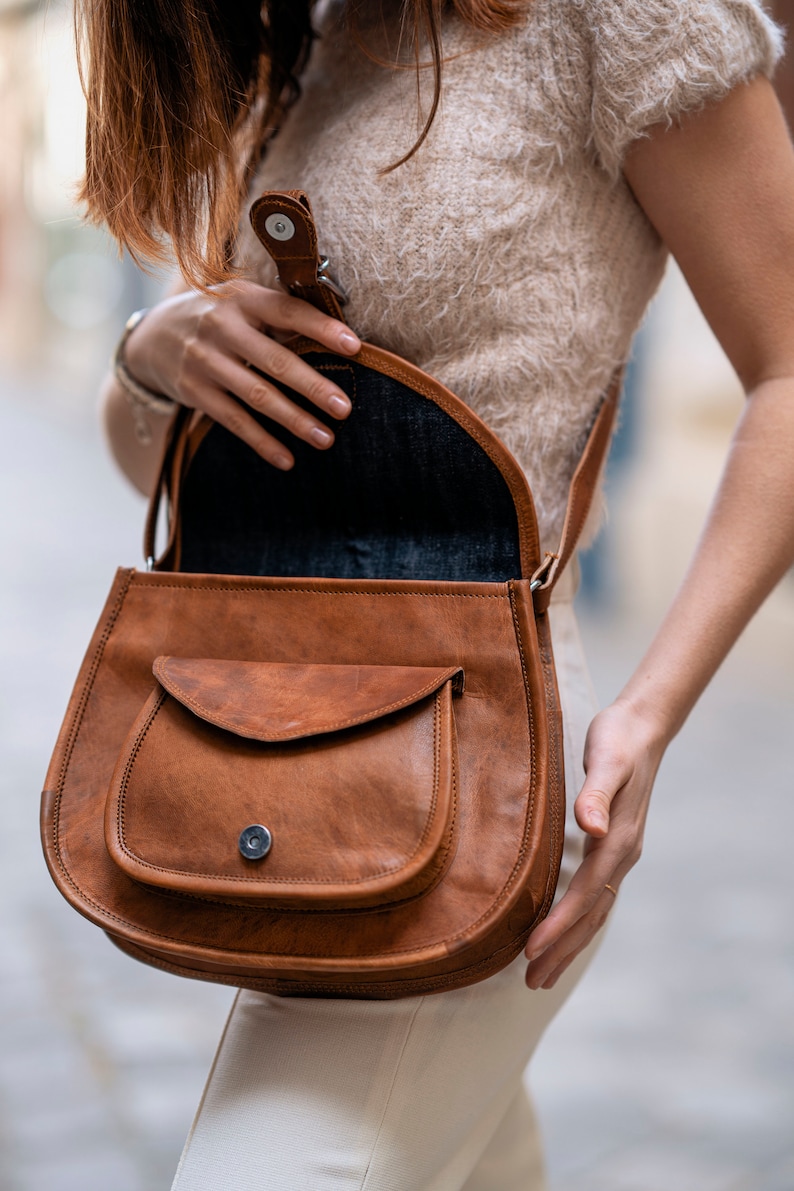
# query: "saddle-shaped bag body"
316,749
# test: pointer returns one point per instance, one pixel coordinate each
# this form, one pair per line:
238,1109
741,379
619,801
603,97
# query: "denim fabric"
404,493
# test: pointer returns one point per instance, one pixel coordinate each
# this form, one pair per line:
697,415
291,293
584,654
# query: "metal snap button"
255,842
279,226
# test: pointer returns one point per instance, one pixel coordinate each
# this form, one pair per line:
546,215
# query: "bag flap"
278,701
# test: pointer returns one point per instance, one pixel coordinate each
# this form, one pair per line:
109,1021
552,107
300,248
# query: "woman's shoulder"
651,61
720,31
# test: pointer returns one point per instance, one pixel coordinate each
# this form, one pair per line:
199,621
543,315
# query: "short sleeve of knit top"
508,257
654,60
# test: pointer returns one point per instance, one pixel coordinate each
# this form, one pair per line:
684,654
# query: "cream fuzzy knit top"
508,258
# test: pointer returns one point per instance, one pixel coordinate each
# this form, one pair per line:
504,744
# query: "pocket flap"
345,774
277,701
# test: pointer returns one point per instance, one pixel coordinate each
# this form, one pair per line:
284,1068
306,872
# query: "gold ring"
611,889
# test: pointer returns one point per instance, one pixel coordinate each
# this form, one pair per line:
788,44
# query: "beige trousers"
421,1094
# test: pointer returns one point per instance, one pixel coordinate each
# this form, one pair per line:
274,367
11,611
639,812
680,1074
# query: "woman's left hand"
622,754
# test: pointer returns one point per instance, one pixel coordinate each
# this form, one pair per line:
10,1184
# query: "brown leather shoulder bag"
316,748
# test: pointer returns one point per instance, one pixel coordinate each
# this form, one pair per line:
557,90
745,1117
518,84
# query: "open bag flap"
276,701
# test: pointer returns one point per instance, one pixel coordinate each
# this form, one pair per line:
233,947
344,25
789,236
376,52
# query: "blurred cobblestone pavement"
672,1068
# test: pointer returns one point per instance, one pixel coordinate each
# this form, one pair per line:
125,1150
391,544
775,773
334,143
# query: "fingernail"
322,437
284,462
600,821
350,341
339,406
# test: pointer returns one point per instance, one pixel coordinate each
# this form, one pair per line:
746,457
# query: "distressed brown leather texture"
507,791
361,808
274,701
402,742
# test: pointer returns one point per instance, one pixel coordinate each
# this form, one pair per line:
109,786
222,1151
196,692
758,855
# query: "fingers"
196,348
289,370
285,313
607,773
592,811
583,910
545,970
580,902
548,981
622,755
581,913
238,421
245,340
226,336
257,392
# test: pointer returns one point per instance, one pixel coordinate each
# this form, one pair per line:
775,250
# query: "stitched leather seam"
554,759
128,768
500,897
79,712
443,856
532,788
405,984
276,880
342,368
434,595
416,949
308,258
557,778
183,697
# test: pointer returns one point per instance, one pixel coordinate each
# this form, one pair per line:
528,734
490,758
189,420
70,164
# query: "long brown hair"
180,95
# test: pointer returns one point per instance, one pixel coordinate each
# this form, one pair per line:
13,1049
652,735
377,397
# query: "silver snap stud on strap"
280,227
255,842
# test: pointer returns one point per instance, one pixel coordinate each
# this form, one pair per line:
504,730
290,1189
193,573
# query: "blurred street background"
672,1067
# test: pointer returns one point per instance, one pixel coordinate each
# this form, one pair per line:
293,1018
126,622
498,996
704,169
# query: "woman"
511,252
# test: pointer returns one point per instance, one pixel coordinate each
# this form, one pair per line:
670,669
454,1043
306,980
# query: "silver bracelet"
141,400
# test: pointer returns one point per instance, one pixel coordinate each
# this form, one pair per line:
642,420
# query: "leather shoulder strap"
580,495
169,477
284,223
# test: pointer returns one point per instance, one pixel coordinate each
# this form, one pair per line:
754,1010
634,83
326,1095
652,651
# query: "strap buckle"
542,573
325,278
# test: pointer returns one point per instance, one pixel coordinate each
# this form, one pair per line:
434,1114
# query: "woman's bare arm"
720,191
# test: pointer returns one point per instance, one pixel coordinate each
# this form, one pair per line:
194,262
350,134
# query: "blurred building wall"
21,256
64,292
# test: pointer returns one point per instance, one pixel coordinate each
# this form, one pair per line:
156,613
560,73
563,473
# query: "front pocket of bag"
343,778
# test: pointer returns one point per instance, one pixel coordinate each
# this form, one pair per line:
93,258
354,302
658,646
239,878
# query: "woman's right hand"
196,348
